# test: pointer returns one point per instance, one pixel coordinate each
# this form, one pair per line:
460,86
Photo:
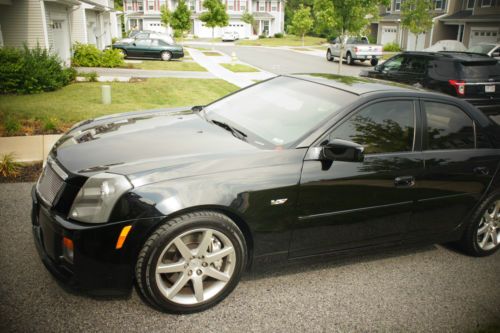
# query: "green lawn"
212,54
56,111
289,40
239,68
174,65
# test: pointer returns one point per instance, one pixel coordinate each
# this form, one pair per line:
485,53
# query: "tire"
374,62
166,56
348,59
329,55
472,240
216,269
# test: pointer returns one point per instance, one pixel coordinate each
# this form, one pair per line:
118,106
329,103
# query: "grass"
174,65
212,54
239,68
38,113
288,40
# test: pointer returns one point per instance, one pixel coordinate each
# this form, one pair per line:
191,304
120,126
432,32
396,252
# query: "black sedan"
150,48
182,201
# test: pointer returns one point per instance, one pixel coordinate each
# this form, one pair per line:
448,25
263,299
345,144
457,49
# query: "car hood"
155,145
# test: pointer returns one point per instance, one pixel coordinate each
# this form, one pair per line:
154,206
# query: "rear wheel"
123,52
329,56
374,62
482,236
348,59
166,56
191,263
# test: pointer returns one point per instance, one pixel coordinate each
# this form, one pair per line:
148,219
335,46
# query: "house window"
243,6
470,4
192,5
262,7
129,6
397,5
485,3
151,7
439,4
140,6
230,5
274,6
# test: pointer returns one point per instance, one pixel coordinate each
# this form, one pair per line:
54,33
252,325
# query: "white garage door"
389,35
483,35
410,45
239,27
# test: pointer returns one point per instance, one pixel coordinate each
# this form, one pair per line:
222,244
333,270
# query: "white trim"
488,6
44,19
467,5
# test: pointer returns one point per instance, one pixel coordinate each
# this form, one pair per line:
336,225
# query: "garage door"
389,35
239,27
410,45
484,35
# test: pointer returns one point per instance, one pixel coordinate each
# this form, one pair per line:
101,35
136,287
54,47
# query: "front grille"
49,184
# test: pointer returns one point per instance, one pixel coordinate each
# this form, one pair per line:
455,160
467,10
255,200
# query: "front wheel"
329,55
348,59
191,263
374,62
166,56
482,235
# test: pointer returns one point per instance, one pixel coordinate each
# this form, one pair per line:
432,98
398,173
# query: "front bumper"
98,268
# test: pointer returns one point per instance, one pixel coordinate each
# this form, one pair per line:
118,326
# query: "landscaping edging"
33,148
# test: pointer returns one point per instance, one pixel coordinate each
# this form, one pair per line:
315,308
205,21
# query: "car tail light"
459,86
355,49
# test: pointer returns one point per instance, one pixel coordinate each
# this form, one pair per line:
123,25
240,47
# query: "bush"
9,167
262,36
28,71
278,35
177,34
392,47
87,55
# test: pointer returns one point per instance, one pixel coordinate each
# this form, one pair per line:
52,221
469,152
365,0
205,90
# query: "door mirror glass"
342,150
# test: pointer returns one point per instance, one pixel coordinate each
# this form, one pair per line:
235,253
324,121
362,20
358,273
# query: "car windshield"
483,48
279,111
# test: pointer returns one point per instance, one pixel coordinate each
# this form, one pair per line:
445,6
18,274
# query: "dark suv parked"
470,76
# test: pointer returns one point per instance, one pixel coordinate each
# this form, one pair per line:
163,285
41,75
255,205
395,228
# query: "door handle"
404,181
481,171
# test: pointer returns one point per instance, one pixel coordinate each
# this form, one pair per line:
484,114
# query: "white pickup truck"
356,48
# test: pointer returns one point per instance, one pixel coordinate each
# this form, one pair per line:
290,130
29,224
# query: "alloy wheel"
165,56
488,232
195,266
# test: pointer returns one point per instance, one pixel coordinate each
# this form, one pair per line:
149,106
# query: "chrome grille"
49,184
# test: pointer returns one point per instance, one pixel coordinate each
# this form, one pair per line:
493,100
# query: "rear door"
412,71
459,165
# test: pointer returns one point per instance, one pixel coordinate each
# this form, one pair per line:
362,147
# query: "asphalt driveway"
430,288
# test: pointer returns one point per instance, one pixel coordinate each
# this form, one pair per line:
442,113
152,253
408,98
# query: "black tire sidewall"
374,62
228,228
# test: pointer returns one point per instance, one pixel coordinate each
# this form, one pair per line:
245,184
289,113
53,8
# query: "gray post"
106,94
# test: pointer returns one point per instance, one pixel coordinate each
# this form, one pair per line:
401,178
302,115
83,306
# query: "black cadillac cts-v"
181,201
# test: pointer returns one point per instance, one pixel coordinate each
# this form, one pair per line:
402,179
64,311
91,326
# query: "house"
269,17
58,24
468,21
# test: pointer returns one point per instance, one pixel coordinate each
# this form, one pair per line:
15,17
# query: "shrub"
87,55
27,71
262,36
177,34
392,47
278,35
50,125
91,76
12,126
9,167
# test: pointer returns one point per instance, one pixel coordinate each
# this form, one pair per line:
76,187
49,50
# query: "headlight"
97,197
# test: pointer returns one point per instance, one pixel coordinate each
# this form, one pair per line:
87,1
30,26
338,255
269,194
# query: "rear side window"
384,127
479,70
417,65
448,127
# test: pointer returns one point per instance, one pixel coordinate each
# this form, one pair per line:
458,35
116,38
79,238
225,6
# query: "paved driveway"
426,289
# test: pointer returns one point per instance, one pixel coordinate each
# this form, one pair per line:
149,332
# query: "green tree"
166,16
302,22
416,16
216,15
248,19
181,18
350,17
323,15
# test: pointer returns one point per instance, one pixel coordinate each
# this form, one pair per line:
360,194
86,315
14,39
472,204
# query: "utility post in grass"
216,15
350,17
181,19
302,22
416,16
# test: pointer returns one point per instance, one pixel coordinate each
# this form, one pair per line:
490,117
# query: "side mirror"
342,150
134,44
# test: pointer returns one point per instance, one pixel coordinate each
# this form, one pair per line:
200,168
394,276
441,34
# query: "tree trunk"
213,37
303,40
341,53
416,41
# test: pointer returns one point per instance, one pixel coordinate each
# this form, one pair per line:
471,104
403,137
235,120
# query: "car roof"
354,85
451,55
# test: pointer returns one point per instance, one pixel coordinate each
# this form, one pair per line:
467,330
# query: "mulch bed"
27,173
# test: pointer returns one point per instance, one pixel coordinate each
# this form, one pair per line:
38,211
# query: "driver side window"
394,64
383,127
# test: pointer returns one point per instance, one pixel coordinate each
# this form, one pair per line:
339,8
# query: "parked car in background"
356,48
469,76
446,45
229,36
147,34
492,50
150,48
182,201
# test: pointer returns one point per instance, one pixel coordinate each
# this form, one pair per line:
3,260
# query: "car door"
153,51
413,70
353,204
459,165
141,47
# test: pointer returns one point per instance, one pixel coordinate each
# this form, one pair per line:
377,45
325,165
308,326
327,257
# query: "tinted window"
448,127
154,42
417,65
143,42
281,110
394,64
480,70
384,127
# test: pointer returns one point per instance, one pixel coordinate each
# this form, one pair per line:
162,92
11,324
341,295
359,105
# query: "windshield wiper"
236,132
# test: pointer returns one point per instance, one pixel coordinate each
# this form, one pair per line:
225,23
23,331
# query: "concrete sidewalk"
145,73
28,148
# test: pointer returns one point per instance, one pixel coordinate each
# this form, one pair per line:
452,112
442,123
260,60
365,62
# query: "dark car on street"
469,76
182,201
150,48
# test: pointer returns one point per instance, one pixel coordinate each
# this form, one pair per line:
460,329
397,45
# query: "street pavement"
425,289
287,61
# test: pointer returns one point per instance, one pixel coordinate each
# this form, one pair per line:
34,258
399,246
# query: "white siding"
22,22
78,26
